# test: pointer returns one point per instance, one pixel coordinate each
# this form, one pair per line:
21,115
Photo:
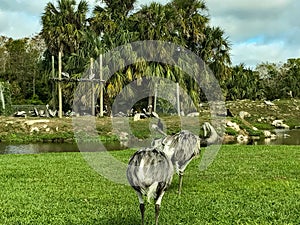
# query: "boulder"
267,134
280,124
244,114
235,126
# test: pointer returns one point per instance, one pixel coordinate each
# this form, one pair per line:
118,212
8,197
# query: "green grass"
244,185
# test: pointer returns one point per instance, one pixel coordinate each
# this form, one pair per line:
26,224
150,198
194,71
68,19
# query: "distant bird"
52,113
20,114
269,103
210,135
181,148
160,125
147,114
65,74
150,112
92,76
229,113
150,173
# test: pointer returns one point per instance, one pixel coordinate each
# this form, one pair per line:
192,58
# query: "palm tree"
214,50
63,25
190,21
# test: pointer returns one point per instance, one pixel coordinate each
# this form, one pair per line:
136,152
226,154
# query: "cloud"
260,30
253,53
22,18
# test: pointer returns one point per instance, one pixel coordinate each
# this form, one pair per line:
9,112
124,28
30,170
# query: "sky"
259,30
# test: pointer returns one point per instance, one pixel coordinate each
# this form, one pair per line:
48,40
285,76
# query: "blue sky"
259,30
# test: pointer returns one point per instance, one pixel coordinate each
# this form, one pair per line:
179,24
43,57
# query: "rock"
267,134
193,114
280,124
242,138
269,103
136,117
31,122
244,114
235,126
34,129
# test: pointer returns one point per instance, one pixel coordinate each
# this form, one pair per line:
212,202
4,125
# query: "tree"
63,29
63,26
243,83
22,58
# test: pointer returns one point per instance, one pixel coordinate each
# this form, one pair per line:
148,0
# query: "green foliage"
66,27
244,185
280,81
231,131
242,84
5,103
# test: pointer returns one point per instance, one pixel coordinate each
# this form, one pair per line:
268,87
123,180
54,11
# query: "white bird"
150,173
92,76
65,74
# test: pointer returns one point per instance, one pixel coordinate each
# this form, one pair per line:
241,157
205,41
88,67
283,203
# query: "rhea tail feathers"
152,191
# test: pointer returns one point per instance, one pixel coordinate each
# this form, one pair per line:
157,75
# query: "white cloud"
259,30
254,53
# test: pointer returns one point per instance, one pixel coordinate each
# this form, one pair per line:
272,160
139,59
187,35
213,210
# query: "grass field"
244,185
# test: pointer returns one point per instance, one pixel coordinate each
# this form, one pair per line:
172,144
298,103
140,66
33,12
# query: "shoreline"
249,119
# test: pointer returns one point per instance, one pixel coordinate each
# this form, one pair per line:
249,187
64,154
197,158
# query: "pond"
6,148
284,137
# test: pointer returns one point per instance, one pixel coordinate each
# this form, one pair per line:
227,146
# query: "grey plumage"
210,135
150,173
181,148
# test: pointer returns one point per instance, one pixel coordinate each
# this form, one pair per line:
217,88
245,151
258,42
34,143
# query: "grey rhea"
181,148
150,173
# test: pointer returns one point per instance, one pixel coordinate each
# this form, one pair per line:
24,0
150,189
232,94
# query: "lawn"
244,185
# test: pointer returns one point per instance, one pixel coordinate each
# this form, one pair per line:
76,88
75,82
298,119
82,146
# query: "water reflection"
37,148
6,148
284,137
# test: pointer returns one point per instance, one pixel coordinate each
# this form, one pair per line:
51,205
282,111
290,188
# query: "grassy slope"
15,130
244,185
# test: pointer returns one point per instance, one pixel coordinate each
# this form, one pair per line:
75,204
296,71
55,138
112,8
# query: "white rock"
235,126
244,114
34,129
193,114
136,117
242,139
267,134
31,122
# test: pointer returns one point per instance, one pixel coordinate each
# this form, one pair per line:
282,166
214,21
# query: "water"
6,148
284,137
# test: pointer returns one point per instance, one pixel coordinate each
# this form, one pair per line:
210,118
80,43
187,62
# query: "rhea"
181,148
150,173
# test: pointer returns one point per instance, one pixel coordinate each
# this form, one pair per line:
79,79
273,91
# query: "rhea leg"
157,207
142,206
180,182
142,209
